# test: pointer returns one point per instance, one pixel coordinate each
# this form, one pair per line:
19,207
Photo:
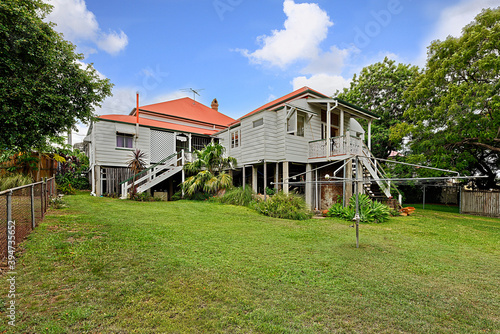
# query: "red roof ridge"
281,100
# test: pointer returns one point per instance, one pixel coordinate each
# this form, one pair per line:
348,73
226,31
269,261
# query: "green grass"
435,207
110,266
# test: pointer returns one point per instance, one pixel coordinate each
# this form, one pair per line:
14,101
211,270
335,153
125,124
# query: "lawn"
111,266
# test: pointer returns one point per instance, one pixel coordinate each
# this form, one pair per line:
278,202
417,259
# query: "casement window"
258,122
124,140
235,139
296,124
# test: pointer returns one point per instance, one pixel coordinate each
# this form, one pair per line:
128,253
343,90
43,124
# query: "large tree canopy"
454,106
44,88
380,88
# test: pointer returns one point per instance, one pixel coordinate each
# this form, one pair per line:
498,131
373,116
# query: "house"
304,142
162,131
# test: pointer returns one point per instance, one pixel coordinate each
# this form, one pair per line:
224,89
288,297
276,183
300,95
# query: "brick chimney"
215,105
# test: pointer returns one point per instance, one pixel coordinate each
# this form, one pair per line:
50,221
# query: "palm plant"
136,164
209,171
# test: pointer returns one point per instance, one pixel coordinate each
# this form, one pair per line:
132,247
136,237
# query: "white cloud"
452,20
305,28
324,83
332,62
79,25
113,42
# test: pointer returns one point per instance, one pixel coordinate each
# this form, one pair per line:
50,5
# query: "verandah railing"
342,145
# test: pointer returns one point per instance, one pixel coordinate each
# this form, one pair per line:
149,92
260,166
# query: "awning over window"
125,128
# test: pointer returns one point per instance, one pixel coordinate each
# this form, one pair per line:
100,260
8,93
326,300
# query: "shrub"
270,191
14,180
237,196
66,189
284,206
369,211
57,202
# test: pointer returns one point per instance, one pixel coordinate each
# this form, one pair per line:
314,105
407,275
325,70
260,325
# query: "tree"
380,88
454,106
44,88
208,169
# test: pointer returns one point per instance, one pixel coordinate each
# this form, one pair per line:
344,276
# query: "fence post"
9,219
33,221
42,212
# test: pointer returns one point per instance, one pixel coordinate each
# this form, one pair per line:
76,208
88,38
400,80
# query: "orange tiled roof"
187,108
157,124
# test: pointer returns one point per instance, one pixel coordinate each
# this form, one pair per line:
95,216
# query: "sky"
246,53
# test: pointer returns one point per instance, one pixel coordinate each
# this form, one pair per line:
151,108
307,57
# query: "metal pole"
460,200
244,178
316,184
9,218
265,181
41,200
423,203
356,216
33,222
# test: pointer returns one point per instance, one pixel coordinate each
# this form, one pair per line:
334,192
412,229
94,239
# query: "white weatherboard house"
295,143
166,132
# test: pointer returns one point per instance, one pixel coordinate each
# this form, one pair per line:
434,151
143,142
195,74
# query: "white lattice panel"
162,145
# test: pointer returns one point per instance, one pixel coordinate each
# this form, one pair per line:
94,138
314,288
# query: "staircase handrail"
377,165
163,161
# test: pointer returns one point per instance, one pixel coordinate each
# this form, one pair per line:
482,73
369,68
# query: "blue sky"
248,52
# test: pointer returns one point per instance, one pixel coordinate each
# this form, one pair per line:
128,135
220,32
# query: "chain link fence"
21,210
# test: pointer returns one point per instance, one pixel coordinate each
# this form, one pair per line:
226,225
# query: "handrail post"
183,172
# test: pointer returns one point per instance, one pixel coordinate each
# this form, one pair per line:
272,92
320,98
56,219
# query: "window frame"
236,138
127,138
258,122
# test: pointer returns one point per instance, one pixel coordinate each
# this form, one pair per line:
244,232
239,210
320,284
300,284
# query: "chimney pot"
215,105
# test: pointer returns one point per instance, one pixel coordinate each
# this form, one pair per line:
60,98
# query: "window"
301,121
258,122
124,140
235,139
296,124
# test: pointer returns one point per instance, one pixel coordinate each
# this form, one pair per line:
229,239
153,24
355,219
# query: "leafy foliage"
43,87
380,88
208,169
72,168
287,206
453,118
369,211
238,196
14,180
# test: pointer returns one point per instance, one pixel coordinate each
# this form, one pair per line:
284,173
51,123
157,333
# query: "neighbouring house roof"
156,124
188,109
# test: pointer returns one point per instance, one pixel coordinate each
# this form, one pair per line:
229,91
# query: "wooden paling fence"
482,203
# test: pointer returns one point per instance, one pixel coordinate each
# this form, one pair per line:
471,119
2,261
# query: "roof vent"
215,105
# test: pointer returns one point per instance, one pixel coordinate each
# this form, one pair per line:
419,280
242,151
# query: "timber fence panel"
482,203
25,207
